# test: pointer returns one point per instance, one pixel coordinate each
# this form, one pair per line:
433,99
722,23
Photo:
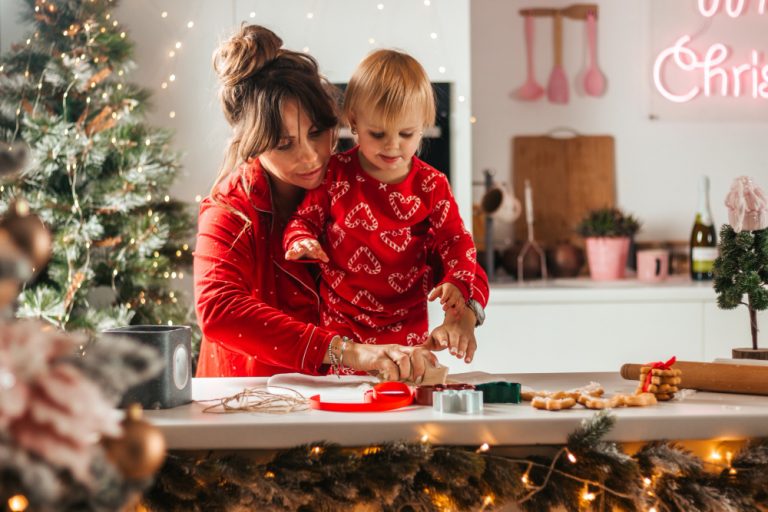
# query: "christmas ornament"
140,451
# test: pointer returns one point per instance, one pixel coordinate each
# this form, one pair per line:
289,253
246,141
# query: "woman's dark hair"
257,77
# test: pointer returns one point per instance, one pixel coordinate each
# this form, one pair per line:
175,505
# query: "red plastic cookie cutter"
383,397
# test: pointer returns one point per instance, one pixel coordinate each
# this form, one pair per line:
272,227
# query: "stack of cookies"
662,383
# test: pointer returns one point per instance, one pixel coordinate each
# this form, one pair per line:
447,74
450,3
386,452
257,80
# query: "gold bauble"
141,450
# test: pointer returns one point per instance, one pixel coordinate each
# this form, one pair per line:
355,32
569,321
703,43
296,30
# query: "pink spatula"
530,90
594,80
557,87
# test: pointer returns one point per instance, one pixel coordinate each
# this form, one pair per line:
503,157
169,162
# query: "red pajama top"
259,314
375,285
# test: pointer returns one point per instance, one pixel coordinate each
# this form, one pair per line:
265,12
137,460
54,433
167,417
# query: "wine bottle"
703,237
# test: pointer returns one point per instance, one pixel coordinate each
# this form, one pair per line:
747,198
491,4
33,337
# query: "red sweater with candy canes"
376,235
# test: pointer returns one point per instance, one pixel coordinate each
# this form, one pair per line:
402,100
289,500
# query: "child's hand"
306,248
450,297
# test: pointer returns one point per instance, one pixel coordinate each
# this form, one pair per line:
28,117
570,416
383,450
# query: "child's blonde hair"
391,84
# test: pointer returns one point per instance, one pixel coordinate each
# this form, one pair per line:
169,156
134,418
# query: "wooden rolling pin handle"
719,377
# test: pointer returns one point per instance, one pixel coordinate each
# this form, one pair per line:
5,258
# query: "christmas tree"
741,269
98,174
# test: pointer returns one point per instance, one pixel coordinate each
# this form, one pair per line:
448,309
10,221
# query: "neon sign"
715,77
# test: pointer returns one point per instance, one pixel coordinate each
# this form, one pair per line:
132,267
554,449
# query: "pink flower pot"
607,257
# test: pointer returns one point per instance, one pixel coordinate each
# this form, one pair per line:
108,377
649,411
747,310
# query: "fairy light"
472,119
167,198
269,475
164,14
305,49
18,503
380,7
427,3
310,15
185,247
253,14
198,198
646,482
122,35
178,44
461,99
371,40
172,78
316,450
156,254
190,24
424,439
441,69
715,455
487,500
171,53
181,275
571,456
433,35
586,495
164,85
371,450
652,509
171,114
525,478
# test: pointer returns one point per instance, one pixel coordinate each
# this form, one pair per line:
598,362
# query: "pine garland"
98,175
587,473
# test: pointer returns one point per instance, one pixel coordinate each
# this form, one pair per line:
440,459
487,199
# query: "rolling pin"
720,377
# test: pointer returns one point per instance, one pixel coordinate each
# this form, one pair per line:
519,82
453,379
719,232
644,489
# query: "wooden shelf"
575,11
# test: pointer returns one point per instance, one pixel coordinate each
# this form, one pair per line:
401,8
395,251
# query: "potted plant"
608,232
741,269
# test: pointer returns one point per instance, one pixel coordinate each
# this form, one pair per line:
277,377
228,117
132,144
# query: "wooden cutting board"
569,177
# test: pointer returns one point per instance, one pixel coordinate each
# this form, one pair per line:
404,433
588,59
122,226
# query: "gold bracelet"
344,341
332,357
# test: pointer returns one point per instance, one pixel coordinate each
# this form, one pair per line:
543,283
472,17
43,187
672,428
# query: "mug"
501,204
652,265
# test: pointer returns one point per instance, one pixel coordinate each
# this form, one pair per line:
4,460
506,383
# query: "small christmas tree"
741,269
99,176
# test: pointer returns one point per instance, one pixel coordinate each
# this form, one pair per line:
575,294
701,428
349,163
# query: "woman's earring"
354,130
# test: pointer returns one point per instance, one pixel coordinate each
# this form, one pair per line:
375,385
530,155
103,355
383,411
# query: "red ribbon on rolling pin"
658,365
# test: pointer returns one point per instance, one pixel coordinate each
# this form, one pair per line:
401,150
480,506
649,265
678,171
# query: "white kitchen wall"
657,161
339,33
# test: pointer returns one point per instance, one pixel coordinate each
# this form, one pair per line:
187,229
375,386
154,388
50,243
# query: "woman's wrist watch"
478,310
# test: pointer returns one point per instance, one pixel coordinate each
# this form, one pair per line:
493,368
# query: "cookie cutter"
423,394
465,400
500,392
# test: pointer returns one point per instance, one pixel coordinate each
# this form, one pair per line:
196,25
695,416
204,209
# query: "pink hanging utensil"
594,80
530,90
557,87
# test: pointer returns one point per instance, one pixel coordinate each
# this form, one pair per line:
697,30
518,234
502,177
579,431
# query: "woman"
258,312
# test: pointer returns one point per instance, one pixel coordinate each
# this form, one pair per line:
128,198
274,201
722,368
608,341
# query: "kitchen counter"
584,289
581,325
699,416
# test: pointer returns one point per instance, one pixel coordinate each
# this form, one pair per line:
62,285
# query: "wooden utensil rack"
575,11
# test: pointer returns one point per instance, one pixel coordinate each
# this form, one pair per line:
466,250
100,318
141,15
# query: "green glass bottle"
703,237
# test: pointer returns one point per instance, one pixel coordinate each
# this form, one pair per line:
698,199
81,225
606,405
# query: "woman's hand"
457,334
390,362
306,247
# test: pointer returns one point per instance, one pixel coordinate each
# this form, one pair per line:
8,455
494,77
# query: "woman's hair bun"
245,53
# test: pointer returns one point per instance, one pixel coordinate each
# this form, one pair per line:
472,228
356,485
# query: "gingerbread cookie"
552,404
591,402
639,400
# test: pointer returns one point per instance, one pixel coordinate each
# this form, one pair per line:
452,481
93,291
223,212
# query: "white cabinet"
579,325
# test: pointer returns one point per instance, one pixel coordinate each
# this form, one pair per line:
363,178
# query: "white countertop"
583,289
699,416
